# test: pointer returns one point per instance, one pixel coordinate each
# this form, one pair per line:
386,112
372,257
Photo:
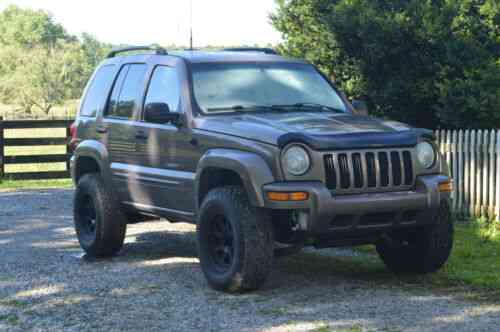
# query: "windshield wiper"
275,107
311,105
241,108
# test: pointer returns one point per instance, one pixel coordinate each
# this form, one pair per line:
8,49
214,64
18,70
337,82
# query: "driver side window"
164,88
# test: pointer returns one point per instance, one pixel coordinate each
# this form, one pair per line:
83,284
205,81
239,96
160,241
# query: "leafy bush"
428,62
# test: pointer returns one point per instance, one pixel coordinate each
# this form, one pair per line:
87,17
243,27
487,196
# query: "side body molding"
97,151
252,169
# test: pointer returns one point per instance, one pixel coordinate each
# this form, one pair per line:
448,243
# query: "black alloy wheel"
221,244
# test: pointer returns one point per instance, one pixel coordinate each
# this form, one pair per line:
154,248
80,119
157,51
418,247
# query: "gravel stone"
156,284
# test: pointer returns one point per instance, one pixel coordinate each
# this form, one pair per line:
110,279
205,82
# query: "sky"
214,22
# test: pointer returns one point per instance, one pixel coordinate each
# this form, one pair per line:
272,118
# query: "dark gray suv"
263,153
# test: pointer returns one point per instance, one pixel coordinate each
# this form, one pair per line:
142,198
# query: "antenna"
191,25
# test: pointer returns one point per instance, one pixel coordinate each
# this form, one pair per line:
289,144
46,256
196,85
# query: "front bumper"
324,212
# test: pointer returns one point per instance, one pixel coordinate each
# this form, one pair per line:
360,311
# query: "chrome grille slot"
369,171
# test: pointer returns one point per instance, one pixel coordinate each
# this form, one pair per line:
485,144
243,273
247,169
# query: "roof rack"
265,50
158,50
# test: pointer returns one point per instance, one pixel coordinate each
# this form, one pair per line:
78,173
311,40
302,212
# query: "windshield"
253,86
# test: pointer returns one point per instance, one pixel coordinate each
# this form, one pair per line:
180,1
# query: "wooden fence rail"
33,159
474,160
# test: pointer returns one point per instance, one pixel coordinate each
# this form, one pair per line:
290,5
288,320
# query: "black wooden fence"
33,159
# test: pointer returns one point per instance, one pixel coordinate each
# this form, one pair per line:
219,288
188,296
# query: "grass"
472,271
474,261
7,185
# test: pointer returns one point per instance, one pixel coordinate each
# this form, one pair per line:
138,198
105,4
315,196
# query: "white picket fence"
474,160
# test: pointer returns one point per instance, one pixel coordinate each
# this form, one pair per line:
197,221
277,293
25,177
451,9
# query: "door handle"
141,135
102,129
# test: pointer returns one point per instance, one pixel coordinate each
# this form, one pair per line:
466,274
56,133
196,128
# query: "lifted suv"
263,153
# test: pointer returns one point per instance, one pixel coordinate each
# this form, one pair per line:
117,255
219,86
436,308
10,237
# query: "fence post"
486,164
454,149
492,177
479,173
2,149
498,179
68,138
463,171
448,148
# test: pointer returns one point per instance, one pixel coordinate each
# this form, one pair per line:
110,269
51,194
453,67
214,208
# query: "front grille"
369,170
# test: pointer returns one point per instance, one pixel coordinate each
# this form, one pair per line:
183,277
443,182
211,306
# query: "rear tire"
235,241
99,223
422,251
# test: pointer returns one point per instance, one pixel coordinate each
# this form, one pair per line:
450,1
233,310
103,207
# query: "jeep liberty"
263,153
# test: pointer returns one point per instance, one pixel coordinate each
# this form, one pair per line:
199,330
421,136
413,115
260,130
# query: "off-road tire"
253,240
423,251
109,225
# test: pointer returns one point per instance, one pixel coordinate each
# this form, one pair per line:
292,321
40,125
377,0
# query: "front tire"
422,251
99,223
235,241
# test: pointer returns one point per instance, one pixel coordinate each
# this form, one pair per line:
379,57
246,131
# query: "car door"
119,130
163,149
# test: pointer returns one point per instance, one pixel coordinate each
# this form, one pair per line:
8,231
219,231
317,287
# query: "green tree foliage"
428,62
29,28
43,77
95,51
41,65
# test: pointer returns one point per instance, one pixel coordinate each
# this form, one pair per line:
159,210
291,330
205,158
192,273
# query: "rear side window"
97,91
164,88
127,91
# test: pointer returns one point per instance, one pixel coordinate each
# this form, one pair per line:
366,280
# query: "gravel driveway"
156,284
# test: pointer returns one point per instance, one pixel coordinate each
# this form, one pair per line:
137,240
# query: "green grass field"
474,262
9,185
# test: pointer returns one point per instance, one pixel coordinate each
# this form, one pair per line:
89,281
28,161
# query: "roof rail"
265,50
158,50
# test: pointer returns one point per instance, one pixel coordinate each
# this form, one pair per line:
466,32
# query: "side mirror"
160,113
360,107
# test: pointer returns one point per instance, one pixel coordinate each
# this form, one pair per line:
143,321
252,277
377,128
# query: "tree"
42,77
41,65
95,50
29,28
427,62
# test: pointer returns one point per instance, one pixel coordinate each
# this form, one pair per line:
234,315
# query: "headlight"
426,154
296,160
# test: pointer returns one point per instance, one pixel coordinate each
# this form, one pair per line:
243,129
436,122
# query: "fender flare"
252,169
97,151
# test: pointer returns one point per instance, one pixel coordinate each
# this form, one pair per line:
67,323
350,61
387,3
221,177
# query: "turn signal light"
446,186
287,196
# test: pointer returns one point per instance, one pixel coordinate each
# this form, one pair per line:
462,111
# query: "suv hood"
318,130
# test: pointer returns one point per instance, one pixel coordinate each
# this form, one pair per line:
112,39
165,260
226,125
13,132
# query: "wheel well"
212,177
86,165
